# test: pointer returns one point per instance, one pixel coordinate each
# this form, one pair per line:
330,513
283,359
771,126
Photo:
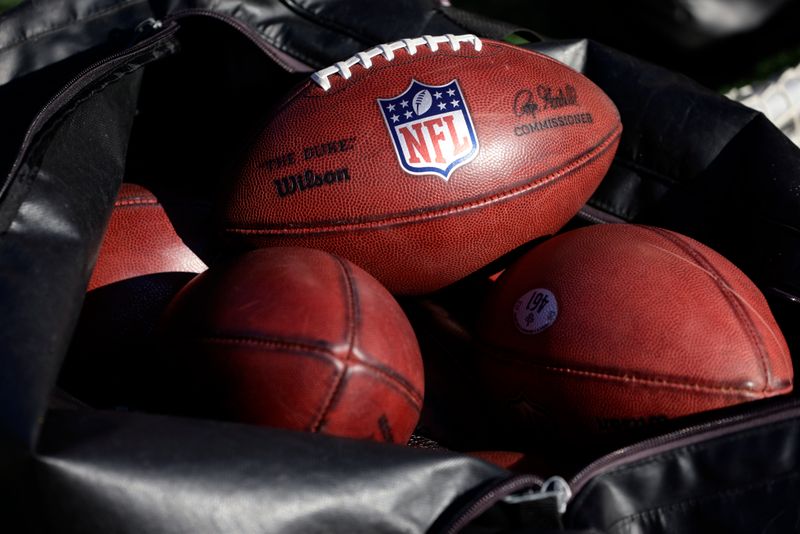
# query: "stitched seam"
655,381
361,75
725,288
89,16
363,60
135,201
292,346
28,177
299,347
350,335
394,377
629,377
438,213
411,395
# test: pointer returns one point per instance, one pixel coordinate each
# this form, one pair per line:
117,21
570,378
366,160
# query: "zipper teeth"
247,31
506,487
46,112
690,435
168,31
493,495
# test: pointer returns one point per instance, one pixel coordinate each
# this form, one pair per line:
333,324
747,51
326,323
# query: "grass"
5,4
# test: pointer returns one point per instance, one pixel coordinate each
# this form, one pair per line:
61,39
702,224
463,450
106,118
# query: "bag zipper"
517,489
554,487
520,489
516,485
683,438
289,63
159,30
80,82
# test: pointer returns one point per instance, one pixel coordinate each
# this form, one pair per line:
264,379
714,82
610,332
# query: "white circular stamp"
535,311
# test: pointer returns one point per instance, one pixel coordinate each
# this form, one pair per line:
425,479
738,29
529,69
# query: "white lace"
343,68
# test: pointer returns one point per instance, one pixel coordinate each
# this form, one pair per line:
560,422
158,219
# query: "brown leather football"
299,339
614,327
140,240
425,159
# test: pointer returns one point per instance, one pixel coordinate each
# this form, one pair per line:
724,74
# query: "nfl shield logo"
431,128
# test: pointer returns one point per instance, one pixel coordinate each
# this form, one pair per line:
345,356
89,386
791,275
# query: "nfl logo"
431,128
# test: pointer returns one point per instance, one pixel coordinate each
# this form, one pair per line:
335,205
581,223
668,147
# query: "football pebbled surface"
423,167
617,326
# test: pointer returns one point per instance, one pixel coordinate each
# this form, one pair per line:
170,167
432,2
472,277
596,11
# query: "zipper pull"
555,488
145,29
148,26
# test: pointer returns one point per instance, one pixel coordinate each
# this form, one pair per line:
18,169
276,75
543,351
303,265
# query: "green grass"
5,4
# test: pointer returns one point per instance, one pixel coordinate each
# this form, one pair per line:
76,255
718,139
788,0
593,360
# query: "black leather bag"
94,92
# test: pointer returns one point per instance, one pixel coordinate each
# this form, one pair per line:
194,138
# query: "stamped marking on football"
404,159
431,128
530,104
298,183
331,148
526,103
535,311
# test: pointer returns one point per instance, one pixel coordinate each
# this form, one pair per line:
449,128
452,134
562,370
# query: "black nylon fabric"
69,36
748,481
689,160
695,162
45,256
36,34
113,472
61,204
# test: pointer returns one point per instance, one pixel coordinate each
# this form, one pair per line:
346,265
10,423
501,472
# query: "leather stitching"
651,380
306,348
350,320
725,288
135,201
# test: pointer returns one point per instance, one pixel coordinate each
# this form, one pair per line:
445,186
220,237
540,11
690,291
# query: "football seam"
388,372
389,379
305,88
361,74
350,337
439,212
751,331
135,201
654,381
319,352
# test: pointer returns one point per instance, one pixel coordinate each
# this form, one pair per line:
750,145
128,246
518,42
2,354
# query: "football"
294,338
614,328
425,159
140,240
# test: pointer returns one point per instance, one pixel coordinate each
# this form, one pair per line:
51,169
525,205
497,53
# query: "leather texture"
140,240
649,325
419,233
299,339
690,161
740,477
103,471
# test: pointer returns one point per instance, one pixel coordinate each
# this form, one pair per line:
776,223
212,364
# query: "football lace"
343,68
